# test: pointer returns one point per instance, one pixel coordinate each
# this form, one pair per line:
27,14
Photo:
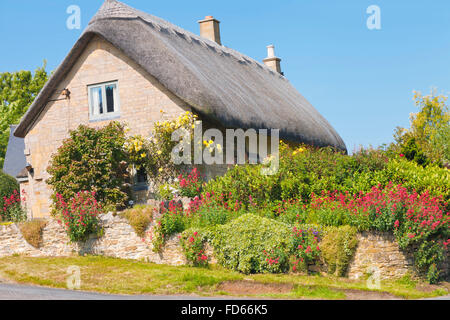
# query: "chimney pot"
272,61
209,28
271,51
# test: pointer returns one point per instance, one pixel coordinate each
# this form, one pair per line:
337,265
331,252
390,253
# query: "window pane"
96,101
110,95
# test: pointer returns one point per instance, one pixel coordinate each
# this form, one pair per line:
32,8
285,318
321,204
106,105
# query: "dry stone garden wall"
376,252
118,240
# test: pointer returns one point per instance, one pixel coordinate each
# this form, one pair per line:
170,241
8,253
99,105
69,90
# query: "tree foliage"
17,92
427,140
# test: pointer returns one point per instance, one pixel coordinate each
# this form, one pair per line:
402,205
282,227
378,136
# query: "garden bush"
338,246
79,215
193,244
32,231
7,187
414,177
305,246
139,217
306,171
158,162
211,209
92,160
190,184
12,208
415,219
172,221
302,172
252,244
291,212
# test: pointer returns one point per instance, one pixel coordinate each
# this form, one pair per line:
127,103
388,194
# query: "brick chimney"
209,28
272,61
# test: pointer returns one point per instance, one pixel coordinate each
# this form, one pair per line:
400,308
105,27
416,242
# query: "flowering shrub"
291,212
12,208
210,209
276,261
92,160
159,164
137,149
193,245
79,215
7,186
414,219
190,184
305,244
171,221
306,170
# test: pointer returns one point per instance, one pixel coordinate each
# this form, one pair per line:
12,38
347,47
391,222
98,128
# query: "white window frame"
106,115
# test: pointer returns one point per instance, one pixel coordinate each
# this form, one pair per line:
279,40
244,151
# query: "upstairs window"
103,101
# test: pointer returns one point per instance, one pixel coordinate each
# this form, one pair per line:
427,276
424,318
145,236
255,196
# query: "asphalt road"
24,292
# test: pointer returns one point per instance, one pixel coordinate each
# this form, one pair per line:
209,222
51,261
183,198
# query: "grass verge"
118,276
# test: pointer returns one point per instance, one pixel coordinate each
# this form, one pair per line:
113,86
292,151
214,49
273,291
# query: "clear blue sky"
361,80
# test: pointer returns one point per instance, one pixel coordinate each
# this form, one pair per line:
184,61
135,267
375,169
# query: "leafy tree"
427,139
17,92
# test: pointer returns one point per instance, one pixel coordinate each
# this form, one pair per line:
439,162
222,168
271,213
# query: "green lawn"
110,275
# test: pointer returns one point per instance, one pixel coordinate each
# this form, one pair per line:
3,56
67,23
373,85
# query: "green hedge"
338,246
315,170
246,243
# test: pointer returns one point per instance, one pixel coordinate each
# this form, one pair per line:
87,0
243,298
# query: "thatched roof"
219,83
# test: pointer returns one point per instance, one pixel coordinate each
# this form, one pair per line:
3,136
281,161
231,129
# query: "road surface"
25,292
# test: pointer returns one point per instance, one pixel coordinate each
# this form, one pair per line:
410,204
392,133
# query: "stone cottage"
128,65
